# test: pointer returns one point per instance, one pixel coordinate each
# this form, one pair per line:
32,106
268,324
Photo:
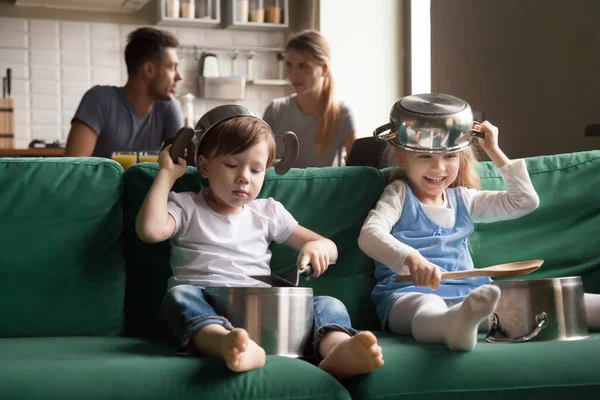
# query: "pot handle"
290,155
541,320
388,136
477,132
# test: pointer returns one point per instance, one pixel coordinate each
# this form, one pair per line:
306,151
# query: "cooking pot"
539,310
433,123
279,319
190,139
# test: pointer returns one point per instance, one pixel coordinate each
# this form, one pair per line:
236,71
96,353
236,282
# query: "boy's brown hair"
235,136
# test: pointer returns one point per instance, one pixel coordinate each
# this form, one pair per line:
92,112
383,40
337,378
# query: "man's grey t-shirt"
284,115
107,110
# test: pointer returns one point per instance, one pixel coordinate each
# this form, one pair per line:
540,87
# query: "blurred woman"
324,125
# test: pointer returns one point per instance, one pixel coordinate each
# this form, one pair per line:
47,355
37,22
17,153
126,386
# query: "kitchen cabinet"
119,6
206,13
255,14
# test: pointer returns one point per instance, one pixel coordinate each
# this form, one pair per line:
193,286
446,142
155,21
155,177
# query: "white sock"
429,320
592,309
463,319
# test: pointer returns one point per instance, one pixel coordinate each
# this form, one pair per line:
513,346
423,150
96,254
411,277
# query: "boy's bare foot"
240,352
356,355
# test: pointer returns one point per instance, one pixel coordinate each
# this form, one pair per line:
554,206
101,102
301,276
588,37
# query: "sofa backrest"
331,201
562,231
62,270
335,201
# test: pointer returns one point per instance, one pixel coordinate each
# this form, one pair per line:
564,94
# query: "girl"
221,236
420,227
325,127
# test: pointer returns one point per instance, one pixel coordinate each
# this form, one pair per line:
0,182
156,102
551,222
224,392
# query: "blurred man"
140,115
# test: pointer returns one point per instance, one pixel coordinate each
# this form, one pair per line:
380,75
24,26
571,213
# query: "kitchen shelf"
230,17
269,82
214,21
199,48
256,26
188,22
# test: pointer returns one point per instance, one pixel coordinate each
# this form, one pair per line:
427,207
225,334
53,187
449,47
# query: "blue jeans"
186,310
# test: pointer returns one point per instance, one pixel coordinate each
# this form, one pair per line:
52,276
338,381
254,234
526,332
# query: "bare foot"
240,352
355,355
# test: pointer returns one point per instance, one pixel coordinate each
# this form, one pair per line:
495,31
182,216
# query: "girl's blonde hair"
315,46
467,176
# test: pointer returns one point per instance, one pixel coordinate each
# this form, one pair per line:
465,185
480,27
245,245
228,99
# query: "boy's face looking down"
235,179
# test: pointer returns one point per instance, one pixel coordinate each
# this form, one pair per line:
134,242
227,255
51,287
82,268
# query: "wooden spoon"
495,271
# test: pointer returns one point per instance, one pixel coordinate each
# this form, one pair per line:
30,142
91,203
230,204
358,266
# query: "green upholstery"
62,270
62,283
542,370
128,368
562,231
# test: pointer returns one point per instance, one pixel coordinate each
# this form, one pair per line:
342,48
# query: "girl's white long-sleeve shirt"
520,198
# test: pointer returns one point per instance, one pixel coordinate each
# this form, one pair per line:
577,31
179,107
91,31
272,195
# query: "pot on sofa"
539,310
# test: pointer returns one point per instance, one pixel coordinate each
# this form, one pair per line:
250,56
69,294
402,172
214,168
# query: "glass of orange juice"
125,158
148,156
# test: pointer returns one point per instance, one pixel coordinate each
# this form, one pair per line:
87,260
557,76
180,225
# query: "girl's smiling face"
429,174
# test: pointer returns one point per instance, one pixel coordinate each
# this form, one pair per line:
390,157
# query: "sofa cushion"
541,370
129,368
332,201
562,231
62,271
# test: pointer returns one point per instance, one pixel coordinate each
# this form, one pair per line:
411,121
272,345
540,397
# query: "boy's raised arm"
154,223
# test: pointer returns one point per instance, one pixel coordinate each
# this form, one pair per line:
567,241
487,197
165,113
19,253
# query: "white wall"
54,61
367,56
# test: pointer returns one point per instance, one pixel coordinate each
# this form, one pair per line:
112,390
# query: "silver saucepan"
539,310
190,139
433,123
279,319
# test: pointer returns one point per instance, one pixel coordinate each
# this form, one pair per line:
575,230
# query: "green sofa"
79,293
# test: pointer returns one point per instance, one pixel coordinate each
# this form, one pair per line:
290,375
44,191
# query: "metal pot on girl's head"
433,123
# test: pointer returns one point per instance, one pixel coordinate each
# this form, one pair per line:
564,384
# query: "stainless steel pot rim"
430,123
533,283
261,290
432,150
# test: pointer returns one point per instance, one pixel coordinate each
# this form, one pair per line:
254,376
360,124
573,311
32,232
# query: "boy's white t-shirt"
209,249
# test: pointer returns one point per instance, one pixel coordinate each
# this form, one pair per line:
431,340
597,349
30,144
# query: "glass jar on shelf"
172,8
204,9
257,11
241,10
273,11
188,8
